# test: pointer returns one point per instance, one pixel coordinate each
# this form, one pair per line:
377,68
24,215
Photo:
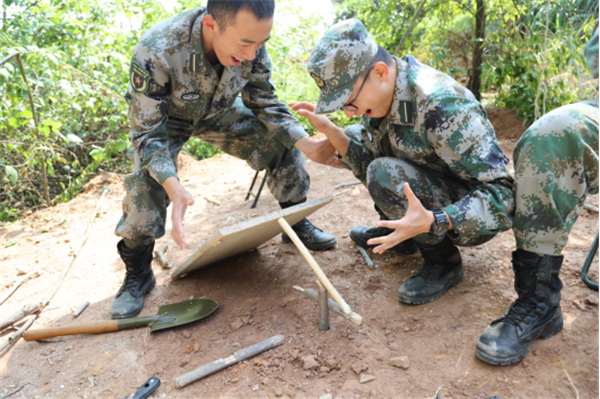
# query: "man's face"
375,97
241,40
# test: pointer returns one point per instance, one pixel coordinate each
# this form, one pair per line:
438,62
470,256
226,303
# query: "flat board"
243,237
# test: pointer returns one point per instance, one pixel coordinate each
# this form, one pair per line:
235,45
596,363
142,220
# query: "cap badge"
318,80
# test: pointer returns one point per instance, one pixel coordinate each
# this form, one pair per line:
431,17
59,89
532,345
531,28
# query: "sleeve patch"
139,78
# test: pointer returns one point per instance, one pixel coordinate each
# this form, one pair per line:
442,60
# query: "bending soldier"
425,150
186,75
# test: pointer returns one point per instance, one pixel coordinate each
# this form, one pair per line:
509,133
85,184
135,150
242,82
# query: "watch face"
440,229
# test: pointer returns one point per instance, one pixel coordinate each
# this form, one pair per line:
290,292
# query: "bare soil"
257,301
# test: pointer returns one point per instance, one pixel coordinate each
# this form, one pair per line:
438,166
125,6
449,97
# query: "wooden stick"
220,364
163,259
313,263
365,255
354,183
32,274
89,328
312,294
13,317
214,201
81,308
323,308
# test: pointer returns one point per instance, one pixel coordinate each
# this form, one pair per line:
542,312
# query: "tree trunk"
475,76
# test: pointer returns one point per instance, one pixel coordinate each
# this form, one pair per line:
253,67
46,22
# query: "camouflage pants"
237,132
556,167
385,182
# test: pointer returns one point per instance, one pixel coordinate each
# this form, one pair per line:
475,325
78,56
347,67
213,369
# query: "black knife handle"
146,390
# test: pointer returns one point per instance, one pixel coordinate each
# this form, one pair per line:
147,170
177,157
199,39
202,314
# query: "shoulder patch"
139,77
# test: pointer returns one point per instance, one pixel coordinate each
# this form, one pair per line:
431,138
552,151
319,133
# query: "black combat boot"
441,270
139,280
311,236
535,314
360,235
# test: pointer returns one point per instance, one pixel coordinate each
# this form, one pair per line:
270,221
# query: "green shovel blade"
172,315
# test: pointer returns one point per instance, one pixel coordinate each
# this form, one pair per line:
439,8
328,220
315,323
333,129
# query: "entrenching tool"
172,315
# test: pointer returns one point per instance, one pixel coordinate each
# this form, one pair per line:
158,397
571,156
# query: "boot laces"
305,226
524,306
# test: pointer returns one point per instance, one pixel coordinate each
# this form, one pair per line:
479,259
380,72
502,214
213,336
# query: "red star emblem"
138,80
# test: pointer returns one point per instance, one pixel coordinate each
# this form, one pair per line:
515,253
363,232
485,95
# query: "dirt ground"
257,301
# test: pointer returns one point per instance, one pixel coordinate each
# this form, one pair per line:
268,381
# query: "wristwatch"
440,225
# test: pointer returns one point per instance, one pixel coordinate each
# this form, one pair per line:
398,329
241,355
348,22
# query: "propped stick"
316,268
312,294
220,364
32,274
16,335
323,308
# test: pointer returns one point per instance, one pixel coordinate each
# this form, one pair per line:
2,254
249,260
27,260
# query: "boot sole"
438,295
515,359
286,239
137,311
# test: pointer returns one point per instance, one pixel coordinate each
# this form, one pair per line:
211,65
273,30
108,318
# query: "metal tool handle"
146,390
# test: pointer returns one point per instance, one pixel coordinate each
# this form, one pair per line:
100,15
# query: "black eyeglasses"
351,107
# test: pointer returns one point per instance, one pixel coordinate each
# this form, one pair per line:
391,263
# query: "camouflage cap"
338,58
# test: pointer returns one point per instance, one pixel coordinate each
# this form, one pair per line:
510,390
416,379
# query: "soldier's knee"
378,176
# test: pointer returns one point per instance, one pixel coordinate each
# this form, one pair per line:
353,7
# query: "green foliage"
200,149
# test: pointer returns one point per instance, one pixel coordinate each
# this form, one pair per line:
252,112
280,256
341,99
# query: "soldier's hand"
320,122
320,151
181,199
417,220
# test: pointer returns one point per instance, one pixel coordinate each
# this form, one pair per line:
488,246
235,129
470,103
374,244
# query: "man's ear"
382,71
210,23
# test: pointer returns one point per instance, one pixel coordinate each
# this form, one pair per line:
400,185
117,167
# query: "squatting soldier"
185,78
556,167
425,151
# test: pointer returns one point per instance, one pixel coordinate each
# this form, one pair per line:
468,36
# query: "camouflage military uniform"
556,167
437,138
175,94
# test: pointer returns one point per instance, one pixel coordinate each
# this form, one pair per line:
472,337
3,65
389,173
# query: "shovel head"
177,314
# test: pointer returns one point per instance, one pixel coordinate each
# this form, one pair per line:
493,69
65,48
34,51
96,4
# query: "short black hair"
382,56
224,11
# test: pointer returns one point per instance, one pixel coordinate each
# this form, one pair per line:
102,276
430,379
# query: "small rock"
234,380
331,362
21,271
406,329
193,349
364,378
324,369
592,300
536,352
394,347
359,368
266,381
524,364
400,362
186,334
256,362
309,362
326,396
278,392
255,387
237,324
236,344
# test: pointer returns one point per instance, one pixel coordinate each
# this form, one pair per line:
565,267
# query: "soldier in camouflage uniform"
425,150
185,79
556,167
